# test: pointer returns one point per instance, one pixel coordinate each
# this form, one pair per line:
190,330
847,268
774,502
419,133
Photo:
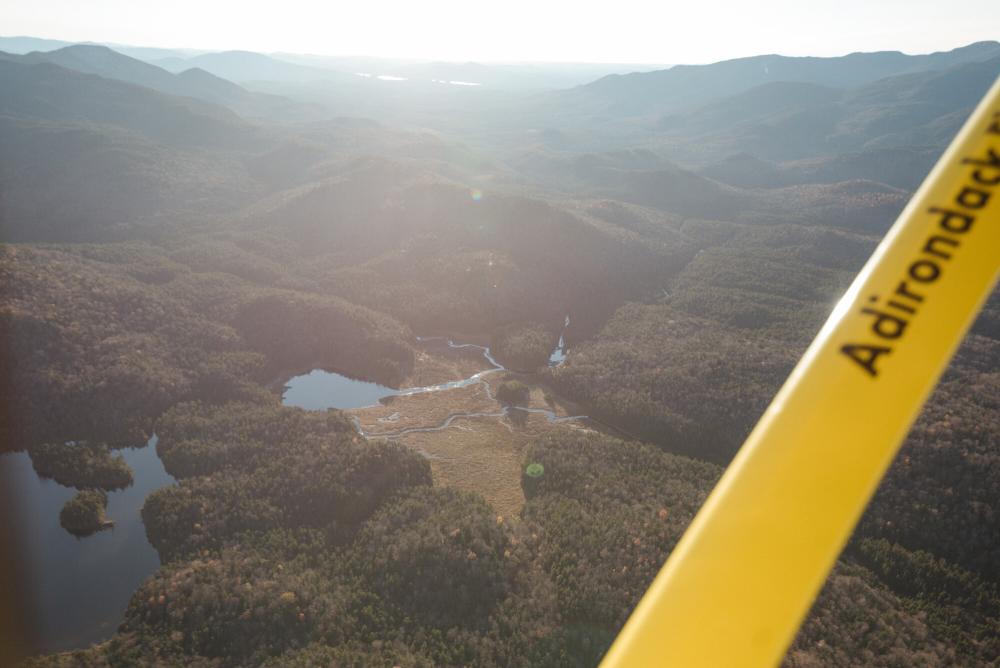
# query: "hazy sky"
650,31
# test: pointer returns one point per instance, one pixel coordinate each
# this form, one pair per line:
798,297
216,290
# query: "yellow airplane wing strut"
745,573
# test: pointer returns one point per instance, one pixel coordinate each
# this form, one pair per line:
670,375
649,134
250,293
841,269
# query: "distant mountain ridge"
247,66
783,121
23,44
83,156
102,61
690,85
801,137
54,93
191,82
241,66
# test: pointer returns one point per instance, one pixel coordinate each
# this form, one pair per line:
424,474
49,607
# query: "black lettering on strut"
889,327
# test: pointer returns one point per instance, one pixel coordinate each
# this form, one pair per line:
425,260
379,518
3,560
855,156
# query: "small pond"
319,390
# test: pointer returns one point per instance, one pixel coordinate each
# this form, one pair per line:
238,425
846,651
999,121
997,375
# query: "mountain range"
184,231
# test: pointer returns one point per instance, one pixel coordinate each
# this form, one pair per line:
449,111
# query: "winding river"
319,390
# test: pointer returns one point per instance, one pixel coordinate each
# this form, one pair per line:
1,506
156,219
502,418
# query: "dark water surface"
80,587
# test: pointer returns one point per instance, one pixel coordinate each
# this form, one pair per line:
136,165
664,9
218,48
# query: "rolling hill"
243,66
191,82
690,85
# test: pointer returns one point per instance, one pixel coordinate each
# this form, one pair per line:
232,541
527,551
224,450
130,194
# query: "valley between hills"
228,282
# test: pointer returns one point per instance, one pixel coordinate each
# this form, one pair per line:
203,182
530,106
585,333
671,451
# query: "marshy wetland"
473,440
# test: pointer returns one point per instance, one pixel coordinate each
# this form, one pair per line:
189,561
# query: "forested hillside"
177,246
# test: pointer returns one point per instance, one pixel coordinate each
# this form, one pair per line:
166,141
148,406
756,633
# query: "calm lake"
319,390
80,587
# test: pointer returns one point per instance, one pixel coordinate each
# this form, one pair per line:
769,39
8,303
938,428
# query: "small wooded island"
84,513
513,391
523,347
